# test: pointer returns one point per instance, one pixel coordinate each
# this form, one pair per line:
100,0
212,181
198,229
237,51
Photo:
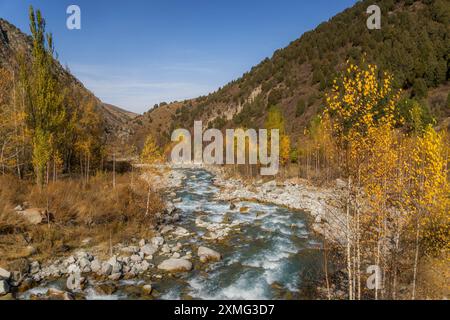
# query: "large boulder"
74,282
207,254
149,249
35,216
175,265
106,269
4,274
147,289
4,287
96,265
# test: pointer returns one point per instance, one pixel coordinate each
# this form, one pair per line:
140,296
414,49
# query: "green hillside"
413,44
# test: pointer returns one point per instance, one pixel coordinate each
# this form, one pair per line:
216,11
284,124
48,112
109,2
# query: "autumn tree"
275,121
150,155
360,103
45,112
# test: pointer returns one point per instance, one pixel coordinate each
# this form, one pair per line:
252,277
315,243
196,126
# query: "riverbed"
268,251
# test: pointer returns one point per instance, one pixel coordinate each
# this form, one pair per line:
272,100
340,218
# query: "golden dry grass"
94,210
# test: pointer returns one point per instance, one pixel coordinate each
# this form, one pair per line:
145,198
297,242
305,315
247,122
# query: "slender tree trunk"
148,200
114,170
325,253
349,262
416,262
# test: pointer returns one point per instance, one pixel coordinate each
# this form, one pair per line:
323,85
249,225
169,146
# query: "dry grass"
94,210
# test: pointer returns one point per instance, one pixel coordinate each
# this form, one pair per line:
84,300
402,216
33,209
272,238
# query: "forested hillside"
48,118
413,44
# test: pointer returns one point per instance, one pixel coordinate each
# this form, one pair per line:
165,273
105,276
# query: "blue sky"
137,53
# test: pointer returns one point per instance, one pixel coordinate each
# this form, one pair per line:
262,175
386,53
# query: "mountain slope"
413,44
14,43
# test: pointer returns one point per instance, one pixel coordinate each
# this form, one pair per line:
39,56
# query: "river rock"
147,289
4,287
130,250
96,265
7,297
142,243
175,265
207,254
116,268
158,241
181,232
149,249
83,263
106,269
74,282
166,229
4,274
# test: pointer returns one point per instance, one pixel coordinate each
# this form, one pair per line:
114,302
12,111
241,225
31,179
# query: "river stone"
74,282
142,243
5,274
7,297
157,241
130,250
84,262
207,254
106,269
175,265
149,249
145,265
4,287
147,289
181,232
96,265
165,229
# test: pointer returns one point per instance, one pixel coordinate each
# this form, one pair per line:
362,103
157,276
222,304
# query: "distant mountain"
13,43
413,44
